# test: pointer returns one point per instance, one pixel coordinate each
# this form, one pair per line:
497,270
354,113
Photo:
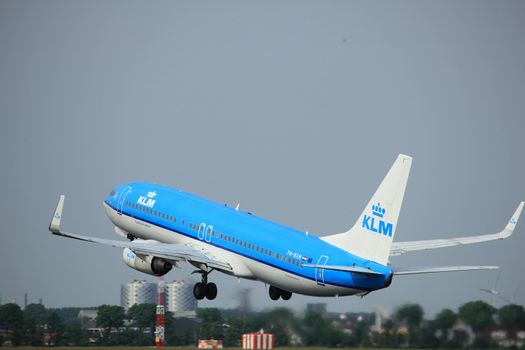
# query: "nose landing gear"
204,289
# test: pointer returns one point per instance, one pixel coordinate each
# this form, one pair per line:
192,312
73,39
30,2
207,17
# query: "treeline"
469,326
38,326
406,327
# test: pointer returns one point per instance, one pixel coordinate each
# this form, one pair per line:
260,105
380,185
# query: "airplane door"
200,231
122,198
209,230
319,272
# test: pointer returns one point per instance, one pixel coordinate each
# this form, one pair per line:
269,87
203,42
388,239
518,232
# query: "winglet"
513,221
54,226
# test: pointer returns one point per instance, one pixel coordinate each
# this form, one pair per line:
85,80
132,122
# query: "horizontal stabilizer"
419,270
353,269
399,248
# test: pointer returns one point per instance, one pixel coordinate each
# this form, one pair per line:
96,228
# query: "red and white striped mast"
159,328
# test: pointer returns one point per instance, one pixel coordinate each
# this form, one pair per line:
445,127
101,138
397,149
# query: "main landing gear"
276,293
204,289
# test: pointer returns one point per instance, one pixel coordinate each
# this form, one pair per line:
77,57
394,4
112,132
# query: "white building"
138,292
180,299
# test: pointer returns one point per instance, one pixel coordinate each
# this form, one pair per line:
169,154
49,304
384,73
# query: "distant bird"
494,291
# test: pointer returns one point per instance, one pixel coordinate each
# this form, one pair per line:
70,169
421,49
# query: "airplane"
165,227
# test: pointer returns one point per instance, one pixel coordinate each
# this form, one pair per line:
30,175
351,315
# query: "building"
258,340
320,308
180,299
138,292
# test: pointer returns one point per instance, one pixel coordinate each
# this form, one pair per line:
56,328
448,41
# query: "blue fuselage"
244,234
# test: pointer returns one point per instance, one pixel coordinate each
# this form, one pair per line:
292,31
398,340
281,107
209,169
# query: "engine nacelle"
149,264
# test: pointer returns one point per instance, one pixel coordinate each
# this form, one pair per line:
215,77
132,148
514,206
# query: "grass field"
152,347
148,347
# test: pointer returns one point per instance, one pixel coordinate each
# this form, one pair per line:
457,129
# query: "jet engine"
147,264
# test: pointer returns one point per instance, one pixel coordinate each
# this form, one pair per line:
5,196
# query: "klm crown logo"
377,210
375,222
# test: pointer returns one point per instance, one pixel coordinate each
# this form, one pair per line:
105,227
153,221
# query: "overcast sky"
295,109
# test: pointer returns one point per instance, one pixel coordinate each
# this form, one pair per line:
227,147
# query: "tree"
144,318
36,313
11,322
143,315
74,334
360,332
313,326
211,323
233,329
412,314
35,316
55,329
477,314
279,321
444,320
512,316
110,317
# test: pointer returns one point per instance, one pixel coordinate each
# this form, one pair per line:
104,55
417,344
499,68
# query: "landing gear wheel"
274,293
286,295
211,291
199,291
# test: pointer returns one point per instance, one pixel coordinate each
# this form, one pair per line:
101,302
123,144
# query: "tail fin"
371,236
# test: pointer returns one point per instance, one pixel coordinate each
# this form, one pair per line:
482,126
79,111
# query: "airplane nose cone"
111,198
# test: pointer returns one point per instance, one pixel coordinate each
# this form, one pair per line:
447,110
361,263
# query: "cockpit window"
112,193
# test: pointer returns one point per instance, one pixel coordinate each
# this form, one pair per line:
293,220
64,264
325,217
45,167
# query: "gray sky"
295,109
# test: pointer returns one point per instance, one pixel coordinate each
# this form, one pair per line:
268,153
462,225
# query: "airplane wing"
419,270
174,252
399,248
